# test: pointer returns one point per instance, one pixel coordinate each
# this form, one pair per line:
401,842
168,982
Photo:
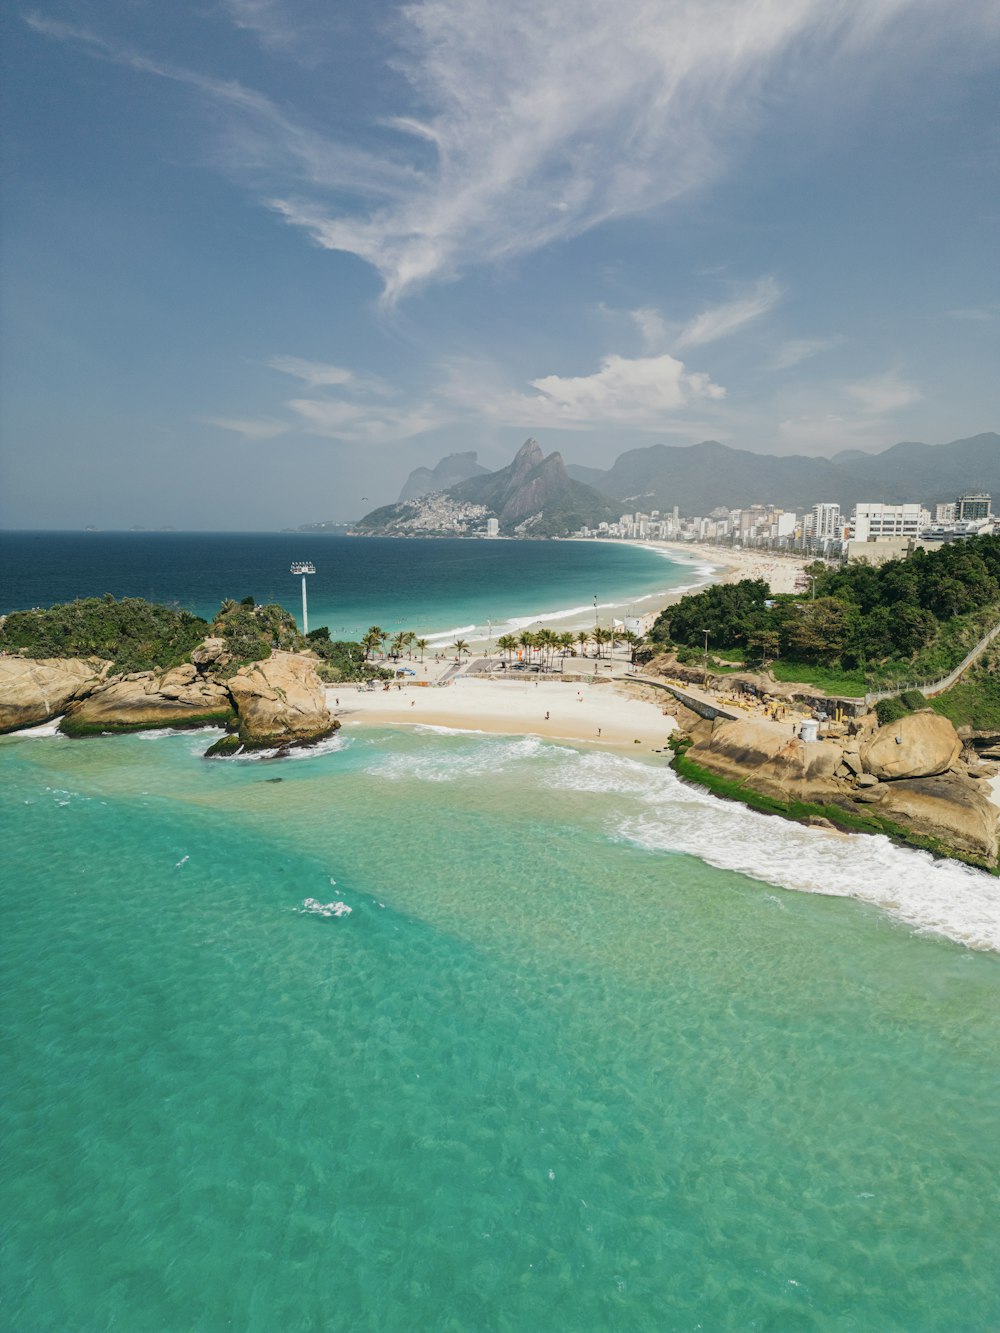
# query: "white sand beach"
779,571
600,714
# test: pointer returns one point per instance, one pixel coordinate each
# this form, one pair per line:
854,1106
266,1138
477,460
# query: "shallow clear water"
565,1067
435,588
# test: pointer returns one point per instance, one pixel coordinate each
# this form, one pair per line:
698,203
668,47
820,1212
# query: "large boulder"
33,691
919,745
180,697
280,701
949,808
770,759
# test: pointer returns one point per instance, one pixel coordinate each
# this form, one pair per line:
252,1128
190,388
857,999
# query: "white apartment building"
826,523
873,520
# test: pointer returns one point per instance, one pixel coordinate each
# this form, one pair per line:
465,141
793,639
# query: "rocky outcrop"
948,808
770,760
179,697
919,745
280,701
36,690
907,773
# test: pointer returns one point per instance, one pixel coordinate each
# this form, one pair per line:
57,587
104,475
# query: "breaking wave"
938,896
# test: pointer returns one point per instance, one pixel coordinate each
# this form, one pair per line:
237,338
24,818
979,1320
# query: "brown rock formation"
769,760
178,697
33,691
919,745
280,701
949,808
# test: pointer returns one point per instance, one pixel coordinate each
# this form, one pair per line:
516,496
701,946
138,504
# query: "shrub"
890,710
912,700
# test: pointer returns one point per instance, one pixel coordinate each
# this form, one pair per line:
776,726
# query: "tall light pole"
304,567
706,633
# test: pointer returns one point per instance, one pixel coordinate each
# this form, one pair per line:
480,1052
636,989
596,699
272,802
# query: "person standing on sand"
546,717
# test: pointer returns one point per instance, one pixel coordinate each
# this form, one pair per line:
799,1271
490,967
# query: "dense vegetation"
908,619
975,700
133,634
250,632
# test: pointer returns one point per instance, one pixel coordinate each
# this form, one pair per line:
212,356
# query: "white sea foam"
50,728
448,765
158,733
329,746
450,633
944,897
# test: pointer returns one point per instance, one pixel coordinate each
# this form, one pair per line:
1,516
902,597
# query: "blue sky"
263,257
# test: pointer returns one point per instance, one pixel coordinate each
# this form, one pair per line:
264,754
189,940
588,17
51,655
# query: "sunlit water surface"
566,1066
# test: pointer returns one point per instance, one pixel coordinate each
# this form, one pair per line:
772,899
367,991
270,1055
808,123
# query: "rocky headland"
277,702
912,779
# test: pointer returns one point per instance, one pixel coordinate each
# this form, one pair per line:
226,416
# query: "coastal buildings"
873,520
875,532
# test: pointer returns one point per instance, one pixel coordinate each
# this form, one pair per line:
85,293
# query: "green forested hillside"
133,634
908,619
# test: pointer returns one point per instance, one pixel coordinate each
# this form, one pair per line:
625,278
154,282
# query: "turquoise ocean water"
435,588
594,1051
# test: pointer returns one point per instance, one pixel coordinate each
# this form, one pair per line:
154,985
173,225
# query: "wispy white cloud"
545,119
643,393
653,329
257,137
797,350
362,422
316,374
884,393
722,320
252,428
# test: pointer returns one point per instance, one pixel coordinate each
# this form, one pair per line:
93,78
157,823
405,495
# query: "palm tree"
631,638
507,644
398,644
547,640
422,646
374,639
600,636
566,642
408,640
527,641
583,638
460,647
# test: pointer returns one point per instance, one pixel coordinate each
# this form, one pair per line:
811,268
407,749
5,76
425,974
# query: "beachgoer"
598,731
546,717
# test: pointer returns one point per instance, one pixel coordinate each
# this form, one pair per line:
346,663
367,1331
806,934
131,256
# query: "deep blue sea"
435,588
594,1051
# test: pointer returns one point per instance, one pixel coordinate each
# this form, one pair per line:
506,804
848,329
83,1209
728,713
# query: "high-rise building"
826,524
873,520
972,506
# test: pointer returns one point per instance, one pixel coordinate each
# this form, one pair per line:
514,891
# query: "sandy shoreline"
780,572
581,712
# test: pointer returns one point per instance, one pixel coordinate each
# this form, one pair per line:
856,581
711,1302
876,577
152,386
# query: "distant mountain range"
449,472
700,477
532,497
542,497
